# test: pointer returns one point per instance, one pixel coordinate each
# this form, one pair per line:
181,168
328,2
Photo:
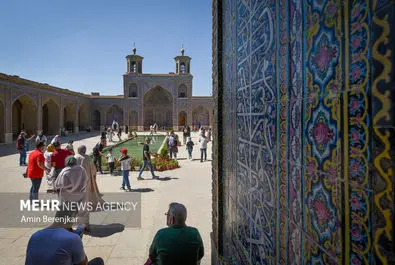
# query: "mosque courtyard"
190,185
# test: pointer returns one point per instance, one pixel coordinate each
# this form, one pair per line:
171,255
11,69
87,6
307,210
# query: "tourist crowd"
72,176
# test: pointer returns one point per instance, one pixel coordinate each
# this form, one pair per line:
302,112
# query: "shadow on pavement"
104,230
163,178
142,190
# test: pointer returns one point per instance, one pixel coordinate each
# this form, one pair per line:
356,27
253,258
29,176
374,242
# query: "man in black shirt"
146,160
97,154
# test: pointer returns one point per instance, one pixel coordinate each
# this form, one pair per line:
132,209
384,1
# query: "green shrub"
164,153
135,163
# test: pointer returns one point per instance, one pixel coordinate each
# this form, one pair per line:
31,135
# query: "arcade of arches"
2,122
165,99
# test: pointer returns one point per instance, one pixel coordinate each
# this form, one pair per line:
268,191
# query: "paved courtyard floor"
190,185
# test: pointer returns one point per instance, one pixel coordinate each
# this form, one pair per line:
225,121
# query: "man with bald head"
177,244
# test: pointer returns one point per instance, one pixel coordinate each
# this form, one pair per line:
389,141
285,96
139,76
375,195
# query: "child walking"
124,159
110,160
189,145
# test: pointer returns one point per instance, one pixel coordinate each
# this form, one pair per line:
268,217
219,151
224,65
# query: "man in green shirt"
177,244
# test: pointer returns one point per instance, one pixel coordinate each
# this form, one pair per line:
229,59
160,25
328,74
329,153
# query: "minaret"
183,65
135,63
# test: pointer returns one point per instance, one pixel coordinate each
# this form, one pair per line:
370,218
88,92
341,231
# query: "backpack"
20,143
172,141
96,150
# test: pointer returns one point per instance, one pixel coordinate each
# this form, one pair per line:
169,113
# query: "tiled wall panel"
308,132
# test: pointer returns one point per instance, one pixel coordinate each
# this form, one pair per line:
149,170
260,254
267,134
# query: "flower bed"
162,162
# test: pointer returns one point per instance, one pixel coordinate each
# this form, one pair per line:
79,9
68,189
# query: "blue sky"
82,44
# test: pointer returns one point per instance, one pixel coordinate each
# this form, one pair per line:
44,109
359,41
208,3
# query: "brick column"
76,125
61,115
140,112
39,115
175,111
8,115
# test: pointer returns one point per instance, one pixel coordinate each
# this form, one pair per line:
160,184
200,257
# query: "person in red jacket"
35,169
58,159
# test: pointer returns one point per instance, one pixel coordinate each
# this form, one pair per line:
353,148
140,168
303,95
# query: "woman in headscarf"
71,185
86,162
55,139
48,166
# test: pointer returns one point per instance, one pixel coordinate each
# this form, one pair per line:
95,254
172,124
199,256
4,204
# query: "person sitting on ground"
58,245
178,244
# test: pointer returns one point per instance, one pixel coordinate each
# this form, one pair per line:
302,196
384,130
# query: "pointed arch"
201,116
182,118
158,107
50,117
114,112
69,116
24,115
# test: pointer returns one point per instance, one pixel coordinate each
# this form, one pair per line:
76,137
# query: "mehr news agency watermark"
70,206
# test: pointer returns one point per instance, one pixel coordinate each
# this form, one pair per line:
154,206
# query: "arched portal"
69,115
201,116
133,120
24,115
83,118
50,117
182,118
96,120
2,122
114,113
158,107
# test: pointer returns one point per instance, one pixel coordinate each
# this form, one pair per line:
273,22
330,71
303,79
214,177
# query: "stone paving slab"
190,185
